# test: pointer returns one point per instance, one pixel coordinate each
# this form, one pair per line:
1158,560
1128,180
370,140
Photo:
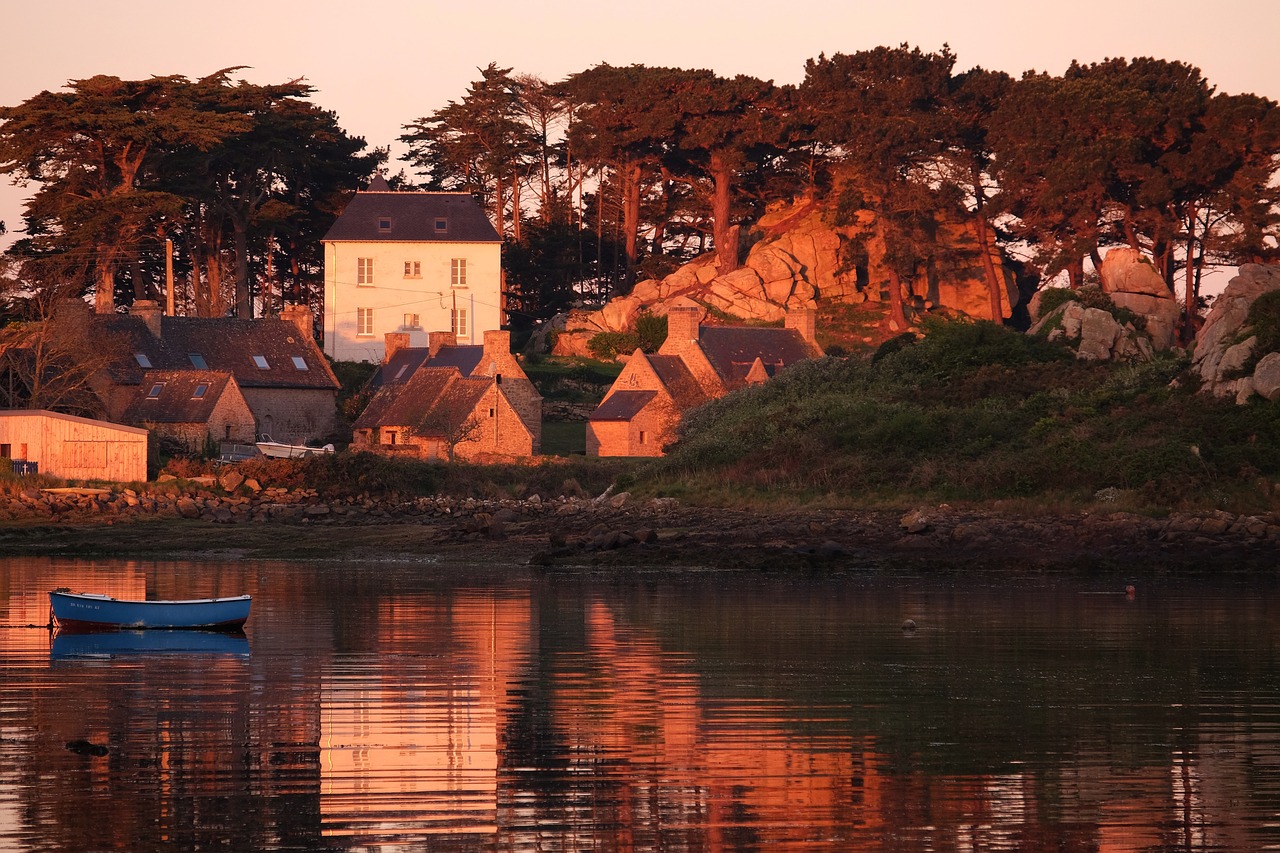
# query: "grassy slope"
975,414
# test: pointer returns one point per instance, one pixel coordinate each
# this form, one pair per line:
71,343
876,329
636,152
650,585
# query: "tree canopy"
617,171
220,167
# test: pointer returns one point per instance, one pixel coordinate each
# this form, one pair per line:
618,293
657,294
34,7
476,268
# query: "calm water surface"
440,707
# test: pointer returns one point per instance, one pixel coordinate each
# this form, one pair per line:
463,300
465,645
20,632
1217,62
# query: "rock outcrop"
796,262
1094,334
1225,347
1133,283
1130,283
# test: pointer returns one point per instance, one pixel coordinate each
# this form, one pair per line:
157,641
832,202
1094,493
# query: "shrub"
1053,298
651,331
1089,296
609,345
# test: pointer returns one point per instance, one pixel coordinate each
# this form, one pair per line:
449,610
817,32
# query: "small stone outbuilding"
695,364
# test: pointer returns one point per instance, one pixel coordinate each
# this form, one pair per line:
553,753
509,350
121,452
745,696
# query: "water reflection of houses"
411,748
726,770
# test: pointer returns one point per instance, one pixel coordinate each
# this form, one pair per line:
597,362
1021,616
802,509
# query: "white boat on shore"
280,450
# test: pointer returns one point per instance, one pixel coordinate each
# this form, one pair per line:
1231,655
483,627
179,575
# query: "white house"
409,262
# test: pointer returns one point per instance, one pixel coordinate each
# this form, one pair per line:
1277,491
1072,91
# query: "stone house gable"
493,360
440,414
639,414
695,364
191,407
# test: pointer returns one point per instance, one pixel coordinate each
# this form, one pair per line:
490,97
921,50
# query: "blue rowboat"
84,611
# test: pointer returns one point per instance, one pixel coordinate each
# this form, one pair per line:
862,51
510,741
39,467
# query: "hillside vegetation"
973,412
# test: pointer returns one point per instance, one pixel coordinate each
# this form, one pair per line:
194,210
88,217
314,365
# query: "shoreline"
568,534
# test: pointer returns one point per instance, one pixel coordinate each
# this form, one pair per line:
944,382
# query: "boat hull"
280,450
90,612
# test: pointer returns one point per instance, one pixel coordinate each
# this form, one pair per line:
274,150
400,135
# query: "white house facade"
412,262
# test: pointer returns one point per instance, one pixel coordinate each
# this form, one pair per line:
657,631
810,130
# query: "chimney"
497,344
300,316
682,328
435,340
148,311
804,321
395,341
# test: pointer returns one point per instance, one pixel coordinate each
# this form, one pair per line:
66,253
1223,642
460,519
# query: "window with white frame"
460,322
458,272
260,361
413,269
412,321
364,271
364,322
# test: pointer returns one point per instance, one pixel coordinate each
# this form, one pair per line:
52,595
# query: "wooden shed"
74,448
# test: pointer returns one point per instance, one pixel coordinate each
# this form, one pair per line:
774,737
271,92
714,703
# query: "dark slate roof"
679,381
405,403
224,344
465,358
405,361
177,403
413,218
622,405
733,349
400,367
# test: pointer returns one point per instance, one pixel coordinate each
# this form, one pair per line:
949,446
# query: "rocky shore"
236,518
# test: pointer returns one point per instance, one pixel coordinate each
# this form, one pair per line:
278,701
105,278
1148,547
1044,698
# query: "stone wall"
295,415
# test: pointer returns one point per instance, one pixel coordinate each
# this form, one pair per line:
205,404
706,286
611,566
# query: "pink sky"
381,65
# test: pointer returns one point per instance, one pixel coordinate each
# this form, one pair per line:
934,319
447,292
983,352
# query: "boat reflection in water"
73,645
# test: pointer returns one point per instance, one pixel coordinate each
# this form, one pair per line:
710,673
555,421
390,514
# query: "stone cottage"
277,366
192,408
451,401
696,363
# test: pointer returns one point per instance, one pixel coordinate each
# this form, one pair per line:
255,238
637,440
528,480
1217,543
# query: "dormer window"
261,362
299,362
384,224
143,361
442,225
154,393
200,391
197,361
